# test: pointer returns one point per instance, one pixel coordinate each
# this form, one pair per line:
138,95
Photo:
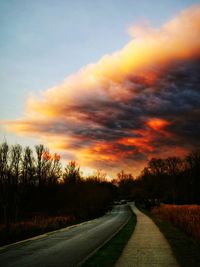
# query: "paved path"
147,246
65,247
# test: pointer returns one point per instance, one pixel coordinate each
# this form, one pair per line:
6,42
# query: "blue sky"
44,41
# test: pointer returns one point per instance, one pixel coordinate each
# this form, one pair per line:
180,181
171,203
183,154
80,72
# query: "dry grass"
185,217
35,226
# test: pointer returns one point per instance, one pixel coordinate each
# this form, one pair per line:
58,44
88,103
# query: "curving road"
66,247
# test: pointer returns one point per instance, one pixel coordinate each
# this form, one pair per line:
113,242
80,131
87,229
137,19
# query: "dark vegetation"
185,217
184,246
37,196
110,252
172,180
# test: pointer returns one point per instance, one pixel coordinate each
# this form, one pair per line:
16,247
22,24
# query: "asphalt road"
66,247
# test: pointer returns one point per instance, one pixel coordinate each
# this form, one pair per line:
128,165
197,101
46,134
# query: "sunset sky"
107,83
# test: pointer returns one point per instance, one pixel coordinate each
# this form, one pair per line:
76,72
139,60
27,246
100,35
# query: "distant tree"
39,162
4,183
55,170
193,169
157,166
72,173
173,169
43,164
28,167
173,165
10,163
15,163
14,173
46,166
125,182
4,158
100,175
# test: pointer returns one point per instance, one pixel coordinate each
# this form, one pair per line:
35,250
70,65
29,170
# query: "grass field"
185,217
35,226
185,248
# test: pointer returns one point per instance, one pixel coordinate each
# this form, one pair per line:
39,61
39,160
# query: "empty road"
66,247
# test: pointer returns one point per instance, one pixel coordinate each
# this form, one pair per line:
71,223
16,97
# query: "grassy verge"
185,248
39,225
29,228
110,252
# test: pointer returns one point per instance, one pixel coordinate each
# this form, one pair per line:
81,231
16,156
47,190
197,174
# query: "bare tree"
72,173
28,167
55,170
173,168
39,162
15,162
157,166
4,158
9,163
193,162
125,182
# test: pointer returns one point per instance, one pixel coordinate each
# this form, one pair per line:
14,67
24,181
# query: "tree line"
32,182
171,180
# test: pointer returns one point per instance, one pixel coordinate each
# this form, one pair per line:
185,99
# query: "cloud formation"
139,102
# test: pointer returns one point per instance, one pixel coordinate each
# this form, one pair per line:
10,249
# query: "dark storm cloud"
136,103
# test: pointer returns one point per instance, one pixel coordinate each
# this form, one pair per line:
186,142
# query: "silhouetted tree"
157,166
30,183
173,169
28,167
55,169
4,183
193,170
125,182
15,168
39,162
72,173
43,164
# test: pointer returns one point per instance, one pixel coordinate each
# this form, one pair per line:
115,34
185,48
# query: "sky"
107,83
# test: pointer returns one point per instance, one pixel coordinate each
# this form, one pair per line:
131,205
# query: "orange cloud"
157,124
142,143
117,112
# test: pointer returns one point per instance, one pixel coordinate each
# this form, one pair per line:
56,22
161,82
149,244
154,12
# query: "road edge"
44,235
106,241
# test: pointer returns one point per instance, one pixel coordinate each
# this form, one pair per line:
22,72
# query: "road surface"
66,247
